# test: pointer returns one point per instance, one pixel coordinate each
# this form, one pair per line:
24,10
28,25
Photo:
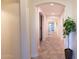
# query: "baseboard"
34,55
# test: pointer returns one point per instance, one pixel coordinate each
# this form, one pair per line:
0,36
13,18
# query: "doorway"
41,23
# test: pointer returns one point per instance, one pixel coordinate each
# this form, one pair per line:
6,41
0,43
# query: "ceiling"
52,9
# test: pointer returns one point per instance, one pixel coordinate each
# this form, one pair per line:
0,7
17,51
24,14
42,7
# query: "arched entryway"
52,14
35,4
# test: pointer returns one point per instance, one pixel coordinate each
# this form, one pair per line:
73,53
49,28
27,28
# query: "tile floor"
51,48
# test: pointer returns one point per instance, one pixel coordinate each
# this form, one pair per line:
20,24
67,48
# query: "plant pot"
68,53
68,42
71,39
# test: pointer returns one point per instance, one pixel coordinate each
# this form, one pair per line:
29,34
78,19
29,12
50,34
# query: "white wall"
74,13
25,29
34,24
36,2
60,26
45,27
10,31
37,27
15,29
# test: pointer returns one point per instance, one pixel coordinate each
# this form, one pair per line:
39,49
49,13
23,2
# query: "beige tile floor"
51,48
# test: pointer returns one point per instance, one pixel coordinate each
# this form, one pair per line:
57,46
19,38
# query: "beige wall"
10,30
74,9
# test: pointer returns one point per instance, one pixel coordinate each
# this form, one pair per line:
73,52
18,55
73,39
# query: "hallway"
52,48
20,28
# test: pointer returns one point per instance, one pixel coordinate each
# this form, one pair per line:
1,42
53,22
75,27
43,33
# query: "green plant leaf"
69,26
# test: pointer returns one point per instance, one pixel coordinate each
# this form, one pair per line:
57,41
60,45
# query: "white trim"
35,55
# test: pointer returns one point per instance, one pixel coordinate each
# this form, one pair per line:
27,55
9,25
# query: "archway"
40,8
35,3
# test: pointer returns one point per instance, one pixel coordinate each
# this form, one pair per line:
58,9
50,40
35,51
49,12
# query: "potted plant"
69,26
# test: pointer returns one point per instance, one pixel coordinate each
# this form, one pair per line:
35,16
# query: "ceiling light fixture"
51,4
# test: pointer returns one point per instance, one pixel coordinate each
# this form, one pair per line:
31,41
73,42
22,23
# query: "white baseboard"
35,55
